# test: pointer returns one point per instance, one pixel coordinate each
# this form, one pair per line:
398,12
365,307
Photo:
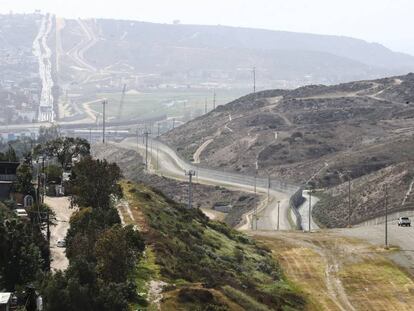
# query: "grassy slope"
207,265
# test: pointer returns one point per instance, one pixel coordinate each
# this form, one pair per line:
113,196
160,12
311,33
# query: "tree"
23,183
48,133
65,149
54,174
20,256
93,182
9,155
117,251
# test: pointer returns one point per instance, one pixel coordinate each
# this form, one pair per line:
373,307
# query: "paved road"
60,205
401,237
171,165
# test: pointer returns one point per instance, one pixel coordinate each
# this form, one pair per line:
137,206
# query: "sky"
388,22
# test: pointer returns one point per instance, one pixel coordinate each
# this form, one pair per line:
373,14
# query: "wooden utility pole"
214,99
104,102
190,175
349,200
386,217
146,133
278,215
254,80
310,209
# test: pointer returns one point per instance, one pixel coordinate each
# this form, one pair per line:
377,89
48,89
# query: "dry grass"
337,273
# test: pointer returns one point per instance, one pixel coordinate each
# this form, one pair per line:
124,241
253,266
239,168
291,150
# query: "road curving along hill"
325,135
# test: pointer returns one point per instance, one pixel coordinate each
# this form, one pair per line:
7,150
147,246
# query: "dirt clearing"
338,273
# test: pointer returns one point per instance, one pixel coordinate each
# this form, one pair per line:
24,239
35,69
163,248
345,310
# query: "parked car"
404,222
21,213
61,243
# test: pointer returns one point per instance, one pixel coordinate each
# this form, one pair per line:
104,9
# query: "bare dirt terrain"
339,273
321,134
61,207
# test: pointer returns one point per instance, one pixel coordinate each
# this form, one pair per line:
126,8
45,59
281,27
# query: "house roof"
4,298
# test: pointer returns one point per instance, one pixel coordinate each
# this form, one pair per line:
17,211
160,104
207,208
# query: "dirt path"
200,149
61,207
339,273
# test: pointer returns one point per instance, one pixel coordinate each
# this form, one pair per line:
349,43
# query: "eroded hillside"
318,133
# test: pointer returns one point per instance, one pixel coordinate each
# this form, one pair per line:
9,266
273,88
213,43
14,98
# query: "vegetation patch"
191,249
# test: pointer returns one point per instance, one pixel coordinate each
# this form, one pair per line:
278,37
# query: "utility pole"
254,80
214,99
255,178
48,236
310,208
278,215
43,179
268,187
349,200
190,175
173,123
146,133
104,102
157,155
386,217
205,105
137,148
90,135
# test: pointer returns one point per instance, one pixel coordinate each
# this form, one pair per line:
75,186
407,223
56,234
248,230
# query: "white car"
404,222
21,212
61,243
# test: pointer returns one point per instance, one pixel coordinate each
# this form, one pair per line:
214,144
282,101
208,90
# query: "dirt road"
60,205
170,165
338,273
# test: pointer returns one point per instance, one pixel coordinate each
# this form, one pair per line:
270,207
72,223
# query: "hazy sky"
389,22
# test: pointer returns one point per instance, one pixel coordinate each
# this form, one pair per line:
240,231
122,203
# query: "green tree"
65,149
117,251
24,184
9,155
48,133
20,255
54,174
93,182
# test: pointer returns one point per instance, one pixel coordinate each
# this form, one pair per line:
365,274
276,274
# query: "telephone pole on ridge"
254,79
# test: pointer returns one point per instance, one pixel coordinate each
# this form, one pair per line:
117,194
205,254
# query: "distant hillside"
318,133
195,54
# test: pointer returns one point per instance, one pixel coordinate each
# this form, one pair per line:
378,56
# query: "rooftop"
4,298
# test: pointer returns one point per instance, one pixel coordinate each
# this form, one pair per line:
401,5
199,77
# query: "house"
8,174
5,301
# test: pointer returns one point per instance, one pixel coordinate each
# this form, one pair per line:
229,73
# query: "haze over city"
388,22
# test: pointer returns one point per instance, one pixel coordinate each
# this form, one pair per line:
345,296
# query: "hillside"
204,196
319,132
196,54
192,263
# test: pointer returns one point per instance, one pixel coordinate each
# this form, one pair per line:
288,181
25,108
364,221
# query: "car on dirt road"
404,222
